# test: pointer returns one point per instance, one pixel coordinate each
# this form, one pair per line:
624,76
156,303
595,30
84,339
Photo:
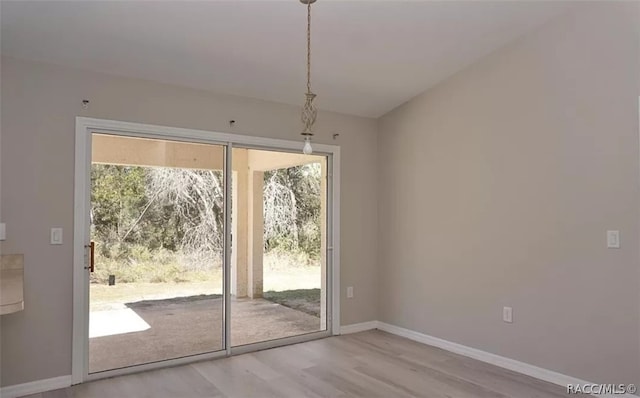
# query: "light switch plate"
350,292
613,239
56,236
3,231
507,314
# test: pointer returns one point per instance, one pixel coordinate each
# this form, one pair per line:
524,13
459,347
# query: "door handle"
92,247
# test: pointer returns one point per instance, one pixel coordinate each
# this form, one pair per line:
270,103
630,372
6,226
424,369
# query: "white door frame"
84,128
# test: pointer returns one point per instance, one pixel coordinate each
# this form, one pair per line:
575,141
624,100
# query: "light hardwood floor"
367,364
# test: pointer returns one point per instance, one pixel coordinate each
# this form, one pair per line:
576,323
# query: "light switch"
3,231
56,236
613,239
507,314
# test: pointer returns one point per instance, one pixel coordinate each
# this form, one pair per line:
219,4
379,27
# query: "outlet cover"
613,239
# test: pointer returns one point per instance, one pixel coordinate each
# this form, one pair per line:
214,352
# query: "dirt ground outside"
142,322
183,327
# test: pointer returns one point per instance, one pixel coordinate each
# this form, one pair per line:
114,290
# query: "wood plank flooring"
367,364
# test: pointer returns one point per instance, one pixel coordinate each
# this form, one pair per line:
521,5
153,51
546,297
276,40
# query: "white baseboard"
34,387
358,327
493,359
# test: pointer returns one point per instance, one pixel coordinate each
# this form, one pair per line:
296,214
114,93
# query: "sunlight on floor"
111,322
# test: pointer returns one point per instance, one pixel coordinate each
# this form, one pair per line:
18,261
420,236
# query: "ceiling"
368,56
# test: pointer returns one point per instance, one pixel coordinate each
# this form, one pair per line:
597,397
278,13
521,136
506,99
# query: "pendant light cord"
309,47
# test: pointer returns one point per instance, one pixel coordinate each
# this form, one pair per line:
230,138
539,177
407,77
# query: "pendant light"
309,112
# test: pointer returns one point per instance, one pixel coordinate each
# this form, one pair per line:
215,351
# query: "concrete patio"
172,328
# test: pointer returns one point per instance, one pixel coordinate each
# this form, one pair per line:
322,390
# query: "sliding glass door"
192,249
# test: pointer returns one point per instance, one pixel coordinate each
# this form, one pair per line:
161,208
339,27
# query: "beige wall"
497,189
39,106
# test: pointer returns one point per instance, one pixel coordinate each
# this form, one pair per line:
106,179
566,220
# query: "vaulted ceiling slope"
368,56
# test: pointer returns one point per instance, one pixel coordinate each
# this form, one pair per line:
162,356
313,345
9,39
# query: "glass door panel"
278,261
157,225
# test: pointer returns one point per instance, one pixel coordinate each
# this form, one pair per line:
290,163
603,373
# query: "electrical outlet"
613,239
350,292
507,314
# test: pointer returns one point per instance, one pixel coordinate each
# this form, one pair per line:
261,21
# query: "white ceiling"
368,56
